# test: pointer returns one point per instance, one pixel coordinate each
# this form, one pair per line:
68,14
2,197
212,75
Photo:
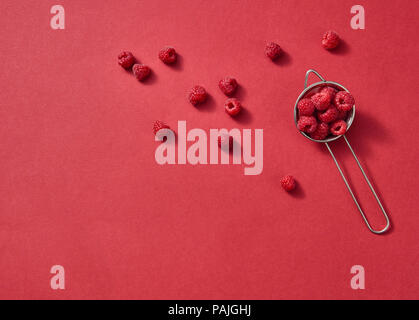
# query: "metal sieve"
314,88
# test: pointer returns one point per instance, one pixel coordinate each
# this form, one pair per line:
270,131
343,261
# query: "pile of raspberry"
324,113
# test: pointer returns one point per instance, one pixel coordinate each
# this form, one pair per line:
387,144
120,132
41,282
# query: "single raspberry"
168,55
330,40
329,90
321,132
126,59
329,115
321,100
288,183
307,124
141,71
273,50
338,128
344,101
158,125
342,115
222,138
228,85
197,95
233,106
305,107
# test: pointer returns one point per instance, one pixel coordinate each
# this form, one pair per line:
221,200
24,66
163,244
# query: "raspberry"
342,115
228,85
273,50
158,125
321,100
329,115
141,71
126,59
232,106
338,128
321,132
197,95
305,107
329,90
330,40
168,55
307,124
288,183
344,101
223,138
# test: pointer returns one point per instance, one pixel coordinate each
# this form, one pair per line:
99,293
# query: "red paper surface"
79,185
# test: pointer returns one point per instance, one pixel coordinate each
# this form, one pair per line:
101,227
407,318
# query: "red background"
79,185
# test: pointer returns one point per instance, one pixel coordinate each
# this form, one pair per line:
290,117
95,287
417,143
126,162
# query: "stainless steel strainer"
313,88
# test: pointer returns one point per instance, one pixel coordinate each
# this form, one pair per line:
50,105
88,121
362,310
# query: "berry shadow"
244,117
178,65
342,49
298,192
208,106
150,80
240,93
284,60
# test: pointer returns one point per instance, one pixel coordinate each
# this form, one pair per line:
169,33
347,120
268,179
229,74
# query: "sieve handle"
308,73
369,184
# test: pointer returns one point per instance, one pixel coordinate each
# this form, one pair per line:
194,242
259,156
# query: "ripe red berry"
223,138
321,131
141,71
126,59
307,124
344,101
228,85
330,40
273,51
321,100
329,115
168,55
338,128
232,106
342,115
288,183
158,125
330,91
197,95
305,107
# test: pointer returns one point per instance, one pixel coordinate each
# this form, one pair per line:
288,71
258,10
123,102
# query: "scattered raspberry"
232,106
344,101
288,183
228,85
273,50
158,125
329,115
141,71
321,132
126,59
197,95
305,107
330,40
307,124
338,128
222,138
342,115
168,55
